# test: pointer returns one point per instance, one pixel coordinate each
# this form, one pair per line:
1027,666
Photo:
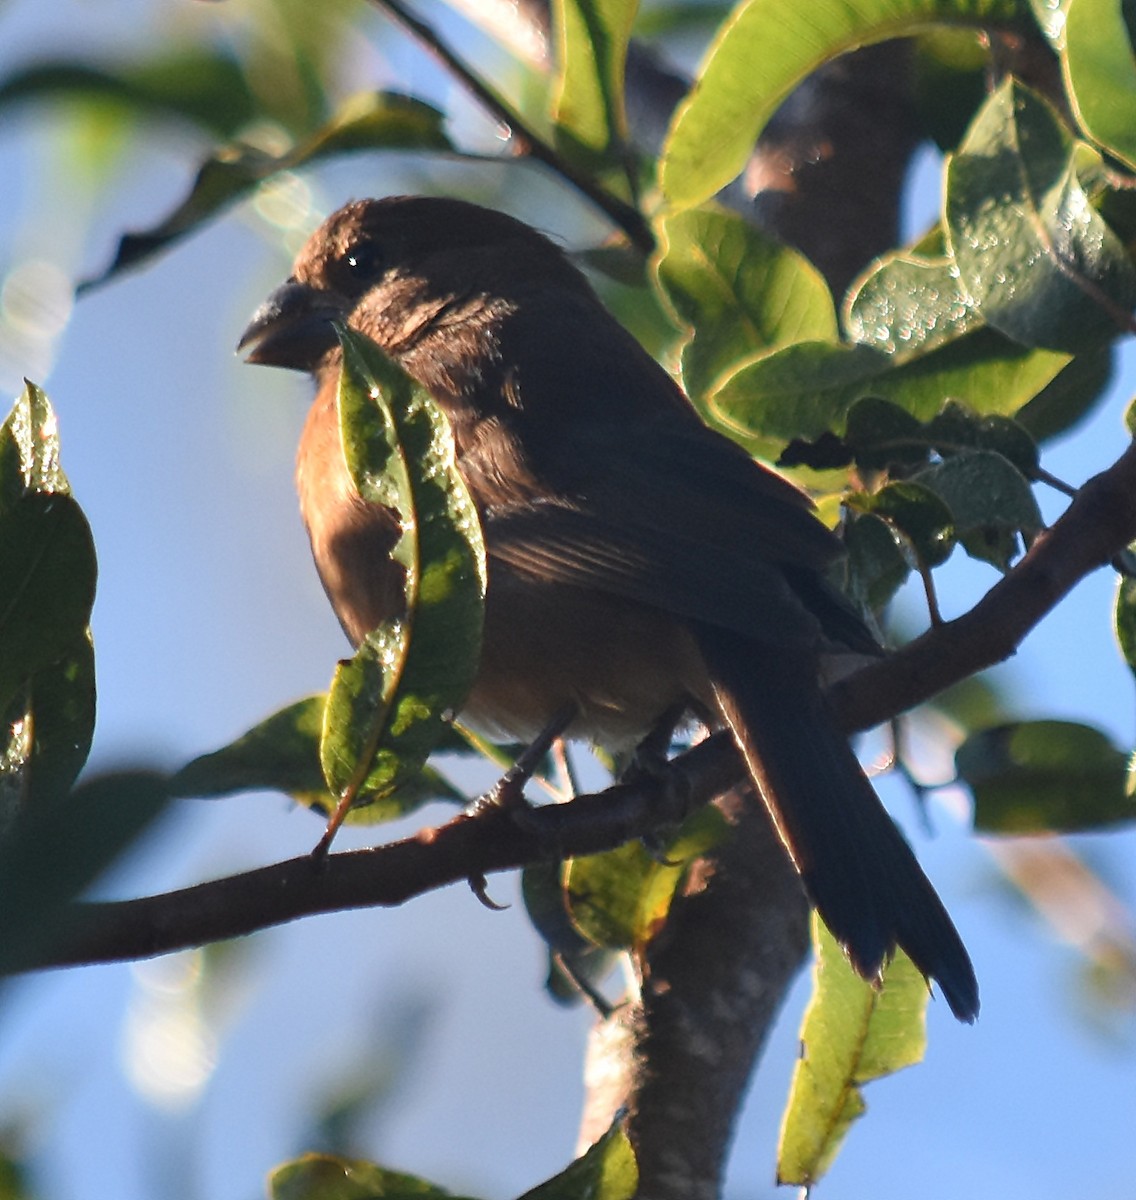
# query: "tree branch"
1099,523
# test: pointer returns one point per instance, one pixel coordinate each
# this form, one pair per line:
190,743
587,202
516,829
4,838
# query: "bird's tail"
857,869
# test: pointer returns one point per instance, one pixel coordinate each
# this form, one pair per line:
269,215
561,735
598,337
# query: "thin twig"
525,140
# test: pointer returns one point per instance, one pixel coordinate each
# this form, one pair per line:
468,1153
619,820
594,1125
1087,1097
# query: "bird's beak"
294,327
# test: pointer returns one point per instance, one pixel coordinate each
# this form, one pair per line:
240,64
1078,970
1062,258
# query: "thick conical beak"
293,328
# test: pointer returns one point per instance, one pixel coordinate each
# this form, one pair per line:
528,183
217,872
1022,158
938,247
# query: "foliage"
919,404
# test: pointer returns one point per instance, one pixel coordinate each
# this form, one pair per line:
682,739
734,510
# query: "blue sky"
139,1082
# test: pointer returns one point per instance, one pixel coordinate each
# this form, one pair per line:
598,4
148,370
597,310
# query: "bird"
639,562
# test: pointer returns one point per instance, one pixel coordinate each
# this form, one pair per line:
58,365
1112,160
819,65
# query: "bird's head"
396,270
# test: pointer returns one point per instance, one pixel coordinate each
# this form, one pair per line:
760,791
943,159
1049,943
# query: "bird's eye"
363,261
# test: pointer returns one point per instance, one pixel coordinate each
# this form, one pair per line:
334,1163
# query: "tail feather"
856,867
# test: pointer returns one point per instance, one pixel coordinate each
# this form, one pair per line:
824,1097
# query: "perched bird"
638,560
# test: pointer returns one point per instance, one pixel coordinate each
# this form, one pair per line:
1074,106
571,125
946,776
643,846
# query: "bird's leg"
651,754
650,761
509,790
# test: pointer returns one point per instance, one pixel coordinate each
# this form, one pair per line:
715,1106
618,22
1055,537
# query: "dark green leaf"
388,705
852,1034
761,53
875,568
608,1171
59,709
990,503
915,512
47,586
882,436
1044,776
1034,256
574,962
951,72
281,753
52,852
372,121
1071,395
737,293
958,428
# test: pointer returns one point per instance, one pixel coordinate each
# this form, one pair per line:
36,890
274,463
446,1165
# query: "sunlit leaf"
1034,256
803,390
737,292
852,1034
1100,69
620,899
591,43
761,53
327,1177
908,304
1045,776
607,1171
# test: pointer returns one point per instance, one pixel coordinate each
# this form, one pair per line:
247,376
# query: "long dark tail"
856,867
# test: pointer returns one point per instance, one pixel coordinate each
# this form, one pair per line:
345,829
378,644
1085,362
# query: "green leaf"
917,513
58,715
803,390
388,705
852,1034
958,428
280,753
1070,396
29,449
736,292
1034,256
53,851
1043,777
761,53
990,503
875,567
882,436
607,1171
1124,619
1100,70
194,84
327,1177
952,67
909,304
573,961
370,121
47,585
591,42
620,899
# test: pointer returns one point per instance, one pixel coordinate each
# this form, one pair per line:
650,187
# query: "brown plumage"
637,559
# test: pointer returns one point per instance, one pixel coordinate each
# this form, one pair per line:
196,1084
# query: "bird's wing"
683,523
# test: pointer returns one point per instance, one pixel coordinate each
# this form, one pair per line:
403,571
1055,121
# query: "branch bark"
1099,524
